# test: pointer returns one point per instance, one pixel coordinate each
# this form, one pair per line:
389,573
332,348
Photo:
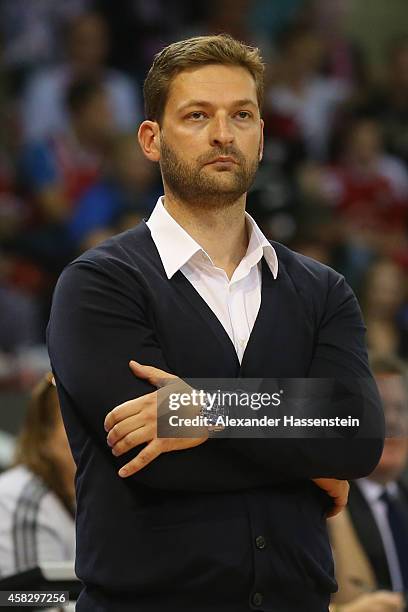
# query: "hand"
380,601
338,491
135,422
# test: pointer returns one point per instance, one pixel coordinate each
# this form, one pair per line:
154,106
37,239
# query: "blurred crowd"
333,183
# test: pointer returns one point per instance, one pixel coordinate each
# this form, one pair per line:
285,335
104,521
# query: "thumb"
155,376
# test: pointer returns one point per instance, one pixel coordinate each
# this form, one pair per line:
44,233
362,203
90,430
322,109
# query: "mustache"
208,158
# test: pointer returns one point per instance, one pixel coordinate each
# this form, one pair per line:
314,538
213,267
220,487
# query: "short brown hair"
194,53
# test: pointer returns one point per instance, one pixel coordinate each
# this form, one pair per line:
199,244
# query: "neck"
220,232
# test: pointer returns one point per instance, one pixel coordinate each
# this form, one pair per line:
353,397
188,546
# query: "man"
60,169
223,524
86,48
370,539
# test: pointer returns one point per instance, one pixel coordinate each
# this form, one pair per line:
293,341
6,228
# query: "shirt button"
260,542
257,599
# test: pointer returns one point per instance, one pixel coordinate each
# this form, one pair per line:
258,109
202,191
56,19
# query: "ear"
149,139
261,142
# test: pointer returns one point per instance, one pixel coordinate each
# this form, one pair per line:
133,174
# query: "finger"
135,438
129,408
122,429
142,459
157,377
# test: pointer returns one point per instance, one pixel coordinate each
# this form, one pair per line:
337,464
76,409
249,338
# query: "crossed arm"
135,422
100,320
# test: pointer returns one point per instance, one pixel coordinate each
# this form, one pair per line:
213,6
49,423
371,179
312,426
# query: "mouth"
223,160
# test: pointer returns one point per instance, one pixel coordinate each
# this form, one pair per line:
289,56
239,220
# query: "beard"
191,183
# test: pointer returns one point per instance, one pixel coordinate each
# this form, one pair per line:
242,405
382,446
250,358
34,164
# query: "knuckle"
150,415
115,431
129,439
123,445
118,448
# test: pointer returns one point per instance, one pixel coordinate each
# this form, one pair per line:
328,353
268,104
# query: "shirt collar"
372,490
176,247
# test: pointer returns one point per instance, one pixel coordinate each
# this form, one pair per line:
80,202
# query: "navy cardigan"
233,524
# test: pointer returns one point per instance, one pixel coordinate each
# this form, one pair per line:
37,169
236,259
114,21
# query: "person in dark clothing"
198,291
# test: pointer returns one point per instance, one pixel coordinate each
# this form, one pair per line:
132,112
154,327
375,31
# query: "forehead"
216,84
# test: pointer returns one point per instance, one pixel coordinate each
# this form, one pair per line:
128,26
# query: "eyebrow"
206,103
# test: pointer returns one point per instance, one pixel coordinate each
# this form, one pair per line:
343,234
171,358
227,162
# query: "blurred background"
333,183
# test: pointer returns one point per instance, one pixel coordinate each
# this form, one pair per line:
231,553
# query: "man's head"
202,102
302,50
391,378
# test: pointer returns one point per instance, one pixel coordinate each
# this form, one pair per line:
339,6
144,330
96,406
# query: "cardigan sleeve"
340,355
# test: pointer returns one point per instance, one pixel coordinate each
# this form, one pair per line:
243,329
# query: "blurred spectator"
140,29
127,192
268,19
370,538
9,117
342,58
43,110
373,28
31,30
389,104
13,210
369,190
383,301
231,16
59,170
19,320
316,234
37,495
367,181
302,101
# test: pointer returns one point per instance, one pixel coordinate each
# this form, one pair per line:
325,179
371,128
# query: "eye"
196,115
243,114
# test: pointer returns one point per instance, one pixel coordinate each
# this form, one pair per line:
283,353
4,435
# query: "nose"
221,134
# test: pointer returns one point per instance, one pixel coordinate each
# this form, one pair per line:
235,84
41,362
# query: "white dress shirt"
372,492
234,301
